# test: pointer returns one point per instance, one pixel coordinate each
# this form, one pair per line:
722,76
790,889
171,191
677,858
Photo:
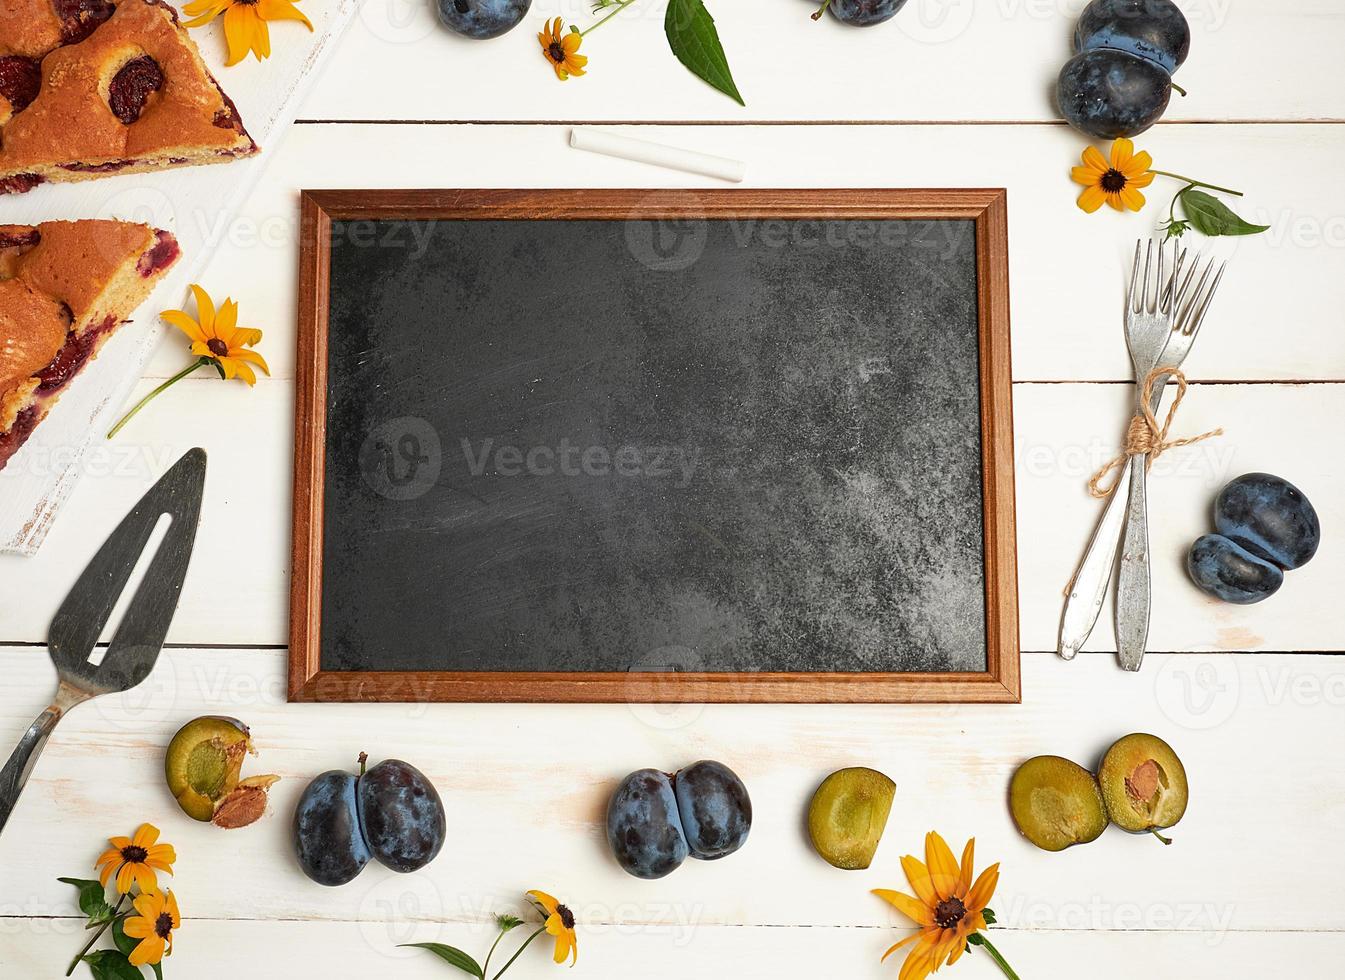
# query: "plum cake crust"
65,287
95,87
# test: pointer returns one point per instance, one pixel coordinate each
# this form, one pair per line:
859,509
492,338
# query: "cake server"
135,646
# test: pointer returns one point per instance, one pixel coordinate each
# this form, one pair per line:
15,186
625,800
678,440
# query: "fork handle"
1133,587
24,757
1088,590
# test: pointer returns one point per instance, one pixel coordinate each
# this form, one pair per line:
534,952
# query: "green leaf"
109,964
975,939
92,900
158,970
989,916
451,955
506,921
1211,216
694,39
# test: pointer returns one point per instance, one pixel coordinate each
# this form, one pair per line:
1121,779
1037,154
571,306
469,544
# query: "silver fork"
1178,310
1088,589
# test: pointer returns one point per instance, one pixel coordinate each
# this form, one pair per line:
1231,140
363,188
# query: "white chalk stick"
642,151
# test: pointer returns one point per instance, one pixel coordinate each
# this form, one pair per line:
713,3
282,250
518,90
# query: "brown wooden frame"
986,207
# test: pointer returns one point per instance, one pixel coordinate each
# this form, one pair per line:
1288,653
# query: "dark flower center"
218,347
949,913
556,52
1113,181
134,854
566,916
163,925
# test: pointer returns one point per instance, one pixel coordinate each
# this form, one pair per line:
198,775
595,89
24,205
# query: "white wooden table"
952,93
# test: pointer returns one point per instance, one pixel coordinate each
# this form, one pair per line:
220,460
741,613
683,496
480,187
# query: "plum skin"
865,13
327,836
1109,94
643,827
1152,29
1227,571
715,809
482,19
401,815
1269,517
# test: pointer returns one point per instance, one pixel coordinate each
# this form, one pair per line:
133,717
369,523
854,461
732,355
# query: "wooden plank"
1273,320
526,787
237,590
937,60
283,950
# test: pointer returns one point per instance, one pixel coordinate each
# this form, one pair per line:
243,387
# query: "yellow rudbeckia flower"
134,860
560,924
562,50
245,23
948,906
153,924
1116,181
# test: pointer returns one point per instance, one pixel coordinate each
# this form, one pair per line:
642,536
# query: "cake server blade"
82,616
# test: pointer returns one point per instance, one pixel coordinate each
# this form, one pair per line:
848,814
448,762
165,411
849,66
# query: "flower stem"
620,6
526,942
200,362
1165,840
1197,183
116,914
1003,964
485,967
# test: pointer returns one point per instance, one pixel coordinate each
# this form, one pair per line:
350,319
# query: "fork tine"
1194,288
1134,279
1148,263
1205,301
1158,281
1178,260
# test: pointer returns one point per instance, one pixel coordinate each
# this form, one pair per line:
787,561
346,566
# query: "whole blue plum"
715,809
1227,571
1269,517
401,815
1153,29
865,13
482,19
643,826
1107,93
327,837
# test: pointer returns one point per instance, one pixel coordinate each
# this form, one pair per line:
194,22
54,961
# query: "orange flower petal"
1092,199
1132,198
1138,164
205,310
1094,160
968,856
1140,180
943,870
282,10
909,939
918,876
1086,176
179,319
984,890
150,950
1121,152
146,835
570,42
914,909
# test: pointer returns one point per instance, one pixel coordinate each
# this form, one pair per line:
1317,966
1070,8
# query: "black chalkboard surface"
710,447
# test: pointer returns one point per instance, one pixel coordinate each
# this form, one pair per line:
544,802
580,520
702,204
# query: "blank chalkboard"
602,445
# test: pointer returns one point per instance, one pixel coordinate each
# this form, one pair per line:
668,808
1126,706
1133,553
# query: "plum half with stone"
1143,785
482,19
847,816
1056,803
203,767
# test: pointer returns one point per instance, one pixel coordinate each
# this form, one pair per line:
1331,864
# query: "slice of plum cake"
93,87
65,286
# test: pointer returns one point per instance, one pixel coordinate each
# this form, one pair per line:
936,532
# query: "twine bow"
1145,436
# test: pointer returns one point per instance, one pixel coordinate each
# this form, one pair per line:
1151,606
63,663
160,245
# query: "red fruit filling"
161,255
131,87
72,355
19,183
20,79
80,18
18,433
20,239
